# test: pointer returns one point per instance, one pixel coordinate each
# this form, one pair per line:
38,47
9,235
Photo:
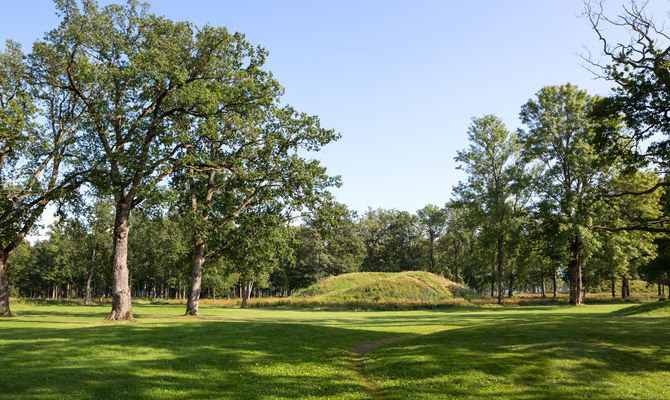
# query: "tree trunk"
432,254
613,287
554,283
501,289
121,306
493,275
544,286
576,271
87,294
510,289
4,285
624,292
456,254
627,287
658,283
493,280
246,293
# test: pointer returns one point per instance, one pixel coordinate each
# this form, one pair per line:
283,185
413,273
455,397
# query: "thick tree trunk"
613,287
87,294
658,282
4,285
576,271
246,292
501,289
121,306
197,260
544,286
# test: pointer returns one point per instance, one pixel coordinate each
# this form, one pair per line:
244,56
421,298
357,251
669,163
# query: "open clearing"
547,352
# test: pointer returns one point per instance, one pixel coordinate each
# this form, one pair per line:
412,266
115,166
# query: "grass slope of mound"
657,309
380,287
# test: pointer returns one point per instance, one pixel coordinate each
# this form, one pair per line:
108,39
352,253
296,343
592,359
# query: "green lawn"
590,352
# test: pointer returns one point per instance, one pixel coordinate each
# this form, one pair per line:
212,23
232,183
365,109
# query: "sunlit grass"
583,353
68,352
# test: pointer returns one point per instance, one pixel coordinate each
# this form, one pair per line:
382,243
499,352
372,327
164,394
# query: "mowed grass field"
604,351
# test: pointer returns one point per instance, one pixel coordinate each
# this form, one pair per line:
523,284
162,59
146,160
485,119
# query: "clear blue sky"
400,80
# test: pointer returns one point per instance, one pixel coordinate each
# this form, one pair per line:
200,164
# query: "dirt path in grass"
357,362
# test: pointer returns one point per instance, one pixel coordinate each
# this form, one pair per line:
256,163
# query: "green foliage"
256,247
39,146
391,239
158,254
432,221
639,69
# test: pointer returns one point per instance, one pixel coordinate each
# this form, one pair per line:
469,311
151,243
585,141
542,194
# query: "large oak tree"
145,81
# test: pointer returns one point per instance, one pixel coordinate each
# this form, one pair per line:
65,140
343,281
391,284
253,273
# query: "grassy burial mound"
401,289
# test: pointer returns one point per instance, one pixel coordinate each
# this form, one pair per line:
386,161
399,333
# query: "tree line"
165,148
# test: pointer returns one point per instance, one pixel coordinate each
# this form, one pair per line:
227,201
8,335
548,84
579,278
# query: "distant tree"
99,222
457,239
490,162
19,270
256,247
337,228
551,239
158,254
391,239
305,263
622,250
558,139
244,161
432,220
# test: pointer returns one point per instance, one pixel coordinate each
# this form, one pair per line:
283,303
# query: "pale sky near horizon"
400,80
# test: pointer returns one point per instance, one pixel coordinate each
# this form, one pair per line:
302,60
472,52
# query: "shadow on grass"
179,360
490,353
531,357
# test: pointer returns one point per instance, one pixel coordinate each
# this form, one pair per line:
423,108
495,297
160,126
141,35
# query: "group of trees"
544,200
119,103
165,149
581,189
